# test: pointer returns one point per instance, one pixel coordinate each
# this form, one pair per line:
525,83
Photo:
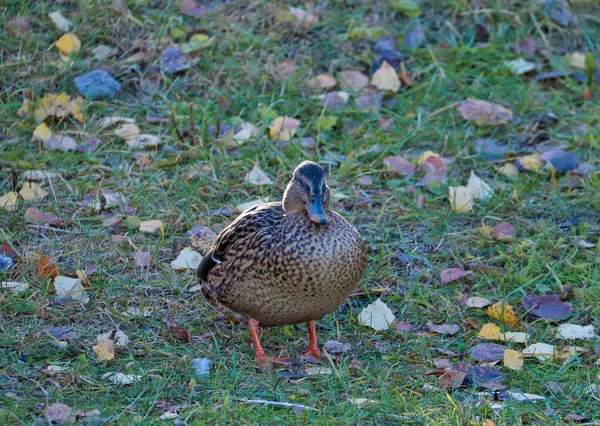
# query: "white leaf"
128,131
258,177
315,371
188,259
246,132
37,175
109,121
120,338
541,351
122,379
60,21
524,397
461,198
484,191
577,60
520,66
245,206
144,141
477,302
14,286
71,287
151,226
202,366
377,315
386,78
574,331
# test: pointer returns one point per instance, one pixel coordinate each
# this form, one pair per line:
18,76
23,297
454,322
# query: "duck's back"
281,268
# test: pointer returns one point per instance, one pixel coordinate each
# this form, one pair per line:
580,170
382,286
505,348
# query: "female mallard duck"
285,262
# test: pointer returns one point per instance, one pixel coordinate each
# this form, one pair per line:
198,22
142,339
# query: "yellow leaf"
323,82
151,226
513,359
509,170
41,133
282,129
105,350
488,232
530,162
31,191
128,131
386,78
53,105
503,312
68,43
462,198
489,331
9,201
426,155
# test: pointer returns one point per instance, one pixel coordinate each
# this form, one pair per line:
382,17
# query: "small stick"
282,404
442,109
179,135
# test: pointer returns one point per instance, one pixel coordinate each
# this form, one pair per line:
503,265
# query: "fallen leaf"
105,350
334,101
14,286
530,163
202,366
282,129
446,329
524,397
353,80
111,121
509,170
316,371
334,347
577,60
87,415
489,331
303,19
52,105
520,66
547,306
484,112
477,302
201,238
513,359
188,259
434,167
399,165
504,231
58,413
482,375
462,198
561,161
152,225
142,259
41,133
409,8
451,378
484,191
128,131
386,78
17,27
68,43
197,42
541,351
46,267
245,206
60,142
144,141
9,201
487,352
71,287
119,338
33,214
503,312
377,315
258,177
323,82
574,331
60,21
370,99
103,52
402,326
122,379
361,402
31,191
193,9
246,131
172,60
453,274
181,333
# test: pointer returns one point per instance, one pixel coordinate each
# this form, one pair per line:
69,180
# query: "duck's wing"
248,224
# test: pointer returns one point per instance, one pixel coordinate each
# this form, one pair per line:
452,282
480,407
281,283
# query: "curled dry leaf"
453,274
46,267
105,350
52,105
258,177
122,379
68,43
477,302
377,315
71,287
513,359
181,333
484,191
33,214
386,78
282,129
188,259
574,331
399,165
446,329
461,198
484,112
503,312
353,80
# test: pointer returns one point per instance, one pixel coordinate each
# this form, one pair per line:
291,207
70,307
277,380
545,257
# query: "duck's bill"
316,210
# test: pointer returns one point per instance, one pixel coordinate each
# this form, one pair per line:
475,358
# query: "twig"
179,135
442,109
282,404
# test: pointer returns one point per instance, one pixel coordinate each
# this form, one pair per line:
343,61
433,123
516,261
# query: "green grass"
232,82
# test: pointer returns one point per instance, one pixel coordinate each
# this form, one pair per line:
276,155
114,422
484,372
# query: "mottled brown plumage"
286,262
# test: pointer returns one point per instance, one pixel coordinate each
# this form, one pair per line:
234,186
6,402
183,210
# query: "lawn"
208,114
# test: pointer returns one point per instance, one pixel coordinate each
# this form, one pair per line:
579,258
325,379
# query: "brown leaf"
58,413
452,378
434,167
369,99
448,329
181,333
334,101
46,267
193,9
323,82
105,350
399,165
33,214
402,326
453,274
484,112
60,142
17,26
353,80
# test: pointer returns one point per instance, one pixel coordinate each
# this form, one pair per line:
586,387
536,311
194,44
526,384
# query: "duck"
283,263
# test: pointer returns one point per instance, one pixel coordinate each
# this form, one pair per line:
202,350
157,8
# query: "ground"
259,67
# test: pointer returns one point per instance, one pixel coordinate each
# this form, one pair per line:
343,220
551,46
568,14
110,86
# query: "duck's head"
308,192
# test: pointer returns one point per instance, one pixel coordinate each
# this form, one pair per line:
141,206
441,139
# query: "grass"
236,80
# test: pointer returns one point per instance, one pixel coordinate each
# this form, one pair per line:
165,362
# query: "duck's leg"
260,355
313,347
